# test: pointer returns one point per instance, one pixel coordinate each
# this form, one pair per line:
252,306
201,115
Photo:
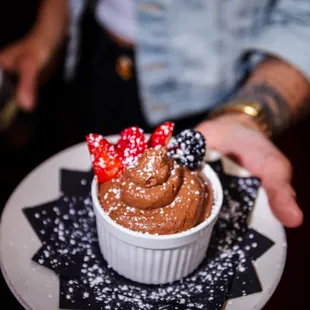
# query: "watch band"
250,107
271,109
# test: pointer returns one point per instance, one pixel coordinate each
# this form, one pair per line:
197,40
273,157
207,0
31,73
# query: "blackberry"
188,148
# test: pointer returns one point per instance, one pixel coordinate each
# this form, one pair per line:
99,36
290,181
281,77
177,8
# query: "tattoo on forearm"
275,106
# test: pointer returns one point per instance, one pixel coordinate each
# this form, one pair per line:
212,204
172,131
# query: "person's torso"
119,17
188,53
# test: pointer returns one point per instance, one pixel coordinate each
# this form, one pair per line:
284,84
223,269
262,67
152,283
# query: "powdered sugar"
70,248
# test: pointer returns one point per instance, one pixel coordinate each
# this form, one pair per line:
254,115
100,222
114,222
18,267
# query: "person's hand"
26,58
241,139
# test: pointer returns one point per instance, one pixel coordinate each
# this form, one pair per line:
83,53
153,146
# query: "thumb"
28,81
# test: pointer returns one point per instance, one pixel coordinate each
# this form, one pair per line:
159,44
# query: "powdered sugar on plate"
67,229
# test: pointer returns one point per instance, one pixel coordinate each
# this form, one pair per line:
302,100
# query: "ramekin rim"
217,189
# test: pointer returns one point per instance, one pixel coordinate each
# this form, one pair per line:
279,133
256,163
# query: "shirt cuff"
291,46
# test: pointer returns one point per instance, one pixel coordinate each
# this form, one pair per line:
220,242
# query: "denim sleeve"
286,34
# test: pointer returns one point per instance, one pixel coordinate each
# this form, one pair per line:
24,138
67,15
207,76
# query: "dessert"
152,186
157,196
155,202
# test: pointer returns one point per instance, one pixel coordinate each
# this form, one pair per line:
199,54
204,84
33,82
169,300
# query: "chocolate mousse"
156,195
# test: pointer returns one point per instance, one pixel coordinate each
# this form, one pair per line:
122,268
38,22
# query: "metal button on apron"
124,67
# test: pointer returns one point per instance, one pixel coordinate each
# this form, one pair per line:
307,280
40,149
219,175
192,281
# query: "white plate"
37,288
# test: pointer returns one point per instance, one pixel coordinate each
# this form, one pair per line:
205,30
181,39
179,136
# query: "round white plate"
37,288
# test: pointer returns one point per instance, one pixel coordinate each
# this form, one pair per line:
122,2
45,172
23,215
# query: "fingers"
261,158
264,160
284,206
28,80
25,58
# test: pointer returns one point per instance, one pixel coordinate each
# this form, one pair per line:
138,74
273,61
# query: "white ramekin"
155,259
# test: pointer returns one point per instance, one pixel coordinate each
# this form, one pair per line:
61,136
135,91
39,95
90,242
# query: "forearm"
282,88
52,22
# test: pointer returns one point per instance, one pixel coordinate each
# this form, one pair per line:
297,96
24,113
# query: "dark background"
32,138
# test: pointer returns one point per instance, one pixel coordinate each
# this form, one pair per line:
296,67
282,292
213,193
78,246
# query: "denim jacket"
192,54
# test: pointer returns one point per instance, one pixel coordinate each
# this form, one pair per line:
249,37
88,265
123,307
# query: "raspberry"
188,148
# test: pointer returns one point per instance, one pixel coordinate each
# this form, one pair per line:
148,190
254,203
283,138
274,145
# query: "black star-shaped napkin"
67,230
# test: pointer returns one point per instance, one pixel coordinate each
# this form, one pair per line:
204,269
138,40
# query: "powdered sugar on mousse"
156,195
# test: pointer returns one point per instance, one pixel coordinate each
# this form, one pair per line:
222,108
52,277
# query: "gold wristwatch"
249,107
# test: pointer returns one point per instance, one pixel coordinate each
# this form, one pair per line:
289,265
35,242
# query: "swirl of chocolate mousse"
157,196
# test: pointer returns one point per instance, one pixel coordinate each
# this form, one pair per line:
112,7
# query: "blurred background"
27,139
30,138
